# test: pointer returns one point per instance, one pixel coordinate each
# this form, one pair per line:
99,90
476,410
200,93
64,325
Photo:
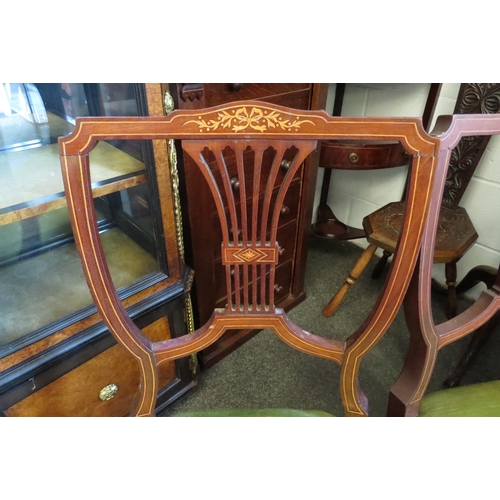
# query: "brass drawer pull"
285,210
353,158
235,183
285,164
108,392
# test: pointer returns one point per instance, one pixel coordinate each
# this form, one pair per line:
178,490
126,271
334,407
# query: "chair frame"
427,338
238,125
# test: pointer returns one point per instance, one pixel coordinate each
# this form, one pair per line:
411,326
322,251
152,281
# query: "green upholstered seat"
478,400
243,412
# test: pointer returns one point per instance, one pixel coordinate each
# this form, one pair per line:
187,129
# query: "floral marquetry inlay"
257,119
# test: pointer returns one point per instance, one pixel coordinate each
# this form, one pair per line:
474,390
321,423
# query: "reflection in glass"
41,280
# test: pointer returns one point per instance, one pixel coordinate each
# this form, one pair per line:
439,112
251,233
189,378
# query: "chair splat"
250,250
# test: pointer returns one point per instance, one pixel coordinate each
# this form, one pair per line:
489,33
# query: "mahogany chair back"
247,145
427,338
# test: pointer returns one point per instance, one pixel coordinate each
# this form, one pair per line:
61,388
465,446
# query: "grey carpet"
266,373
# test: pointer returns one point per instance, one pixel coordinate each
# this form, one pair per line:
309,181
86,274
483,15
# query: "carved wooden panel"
473,98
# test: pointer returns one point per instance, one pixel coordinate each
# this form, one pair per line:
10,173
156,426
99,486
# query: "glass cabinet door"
41,280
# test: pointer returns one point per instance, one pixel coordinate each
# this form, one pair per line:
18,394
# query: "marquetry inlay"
250,255
241,119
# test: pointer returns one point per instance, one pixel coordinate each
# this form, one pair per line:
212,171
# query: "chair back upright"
427,338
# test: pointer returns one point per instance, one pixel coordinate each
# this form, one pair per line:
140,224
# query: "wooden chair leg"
350,280
380,266
451,283
478,274
477,341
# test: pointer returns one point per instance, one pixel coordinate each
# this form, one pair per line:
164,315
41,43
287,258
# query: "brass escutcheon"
108,392
353,157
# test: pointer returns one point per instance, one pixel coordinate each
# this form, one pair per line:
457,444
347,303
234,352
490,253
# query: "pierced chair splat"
241,149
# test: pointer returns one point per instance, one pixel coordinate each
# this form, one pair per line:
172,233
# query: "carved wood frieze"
191,91
479,98
472,98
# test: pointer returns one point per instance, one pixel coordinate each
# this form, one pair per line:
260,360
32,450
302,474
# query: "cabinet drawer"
288,213
286,240
248,170
222,93
76,394
283,284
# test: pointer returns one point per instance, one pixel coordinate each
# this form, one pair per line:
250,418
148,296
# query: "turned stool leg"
350,280
379,267
451,283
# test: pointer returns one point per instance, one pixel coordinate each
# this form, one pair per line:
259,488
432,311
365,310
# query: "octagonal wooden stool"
455,232
455,235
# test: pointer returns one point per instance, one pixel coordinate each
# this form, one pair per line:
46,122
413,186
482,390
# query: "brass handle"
108,392
353,158
285,210
285,164
235,183
278,288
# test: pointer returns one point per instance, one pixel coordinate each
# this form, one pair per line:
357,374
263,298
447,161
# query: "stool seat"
455,233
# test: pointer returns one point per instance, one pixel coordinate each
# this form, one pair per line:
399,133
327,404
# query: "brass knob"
281,250
353,158
278,288
108,392
235,183
285,210
285,164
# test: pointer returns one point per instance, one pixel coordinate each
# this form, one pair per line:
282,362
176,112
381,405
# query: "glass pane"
41,279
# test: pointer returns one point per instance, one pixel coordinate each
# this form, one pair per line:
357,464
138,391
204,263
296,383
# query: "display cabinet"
56,356
200,217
